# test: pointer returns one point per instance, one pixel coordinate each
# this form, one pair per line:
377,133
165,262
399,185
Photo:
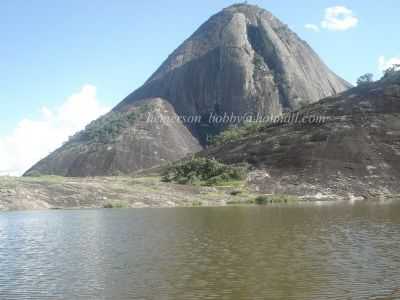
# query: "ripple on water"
294,252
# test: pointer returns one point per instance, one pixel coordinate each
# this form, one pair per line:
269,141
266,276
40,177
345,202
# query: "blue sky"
51,50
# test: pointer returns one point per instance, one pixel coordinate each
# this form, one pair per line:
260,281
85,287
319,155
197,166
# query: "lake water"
273,252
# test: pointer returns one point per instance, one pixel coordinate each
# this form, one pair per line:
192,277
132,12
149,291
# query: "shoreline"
64,193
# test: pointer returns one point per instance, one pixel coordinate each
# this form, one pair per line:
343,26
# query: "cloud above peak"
339,18
336,18
33,139
312,27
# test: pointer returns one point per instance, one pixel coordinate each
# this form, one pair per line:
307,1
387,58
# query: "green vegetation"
236,133
34,173
107,128
236,192
266,199
203,171
259,62
393,70
302,103
365,79
50,179
197,203
117,204
240,202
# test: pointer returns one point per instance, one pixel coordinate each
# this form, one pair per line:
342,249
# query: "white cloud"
312,27
339,18
32,140
384,64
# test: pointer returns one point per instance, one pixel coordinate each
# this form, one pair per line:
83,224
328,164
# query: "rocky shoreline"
53,192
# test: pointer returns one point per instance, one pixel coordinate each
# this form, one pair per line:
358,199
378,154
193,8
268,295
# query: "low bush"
235,192
266,199
197,203
109,127
236,132
365,79
33,173
240,202
115,205
203,171
261,200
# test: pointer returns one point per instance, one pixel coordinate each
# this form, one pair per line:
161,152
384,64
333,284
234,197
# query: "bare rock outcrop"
147,134
346,145
242,60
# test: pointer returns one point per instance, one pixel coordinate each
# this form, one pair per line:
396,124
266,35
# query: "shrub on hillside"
34,173
265,199
236,132
107,128
203,171
365,79
393,70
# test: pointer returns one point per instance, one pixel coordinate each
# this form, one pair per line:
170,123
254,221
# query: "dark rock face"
355,151
242,60
122,143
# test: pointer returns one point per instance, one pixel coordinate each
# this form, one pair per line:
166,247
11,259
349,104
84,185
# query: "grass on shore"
265,199
231,192
43,179
274,199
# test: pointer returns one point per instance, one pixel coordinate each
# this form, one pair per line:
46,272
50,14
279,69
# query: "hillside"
354,151
242,60
54,192
120,143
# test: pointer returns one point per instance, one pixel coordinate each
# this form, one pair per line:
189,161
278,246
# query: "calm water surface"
292,252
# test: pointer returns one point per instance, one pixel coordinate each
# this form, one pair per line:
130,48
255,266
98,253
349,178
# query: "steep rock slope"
242,60
355,151
119,143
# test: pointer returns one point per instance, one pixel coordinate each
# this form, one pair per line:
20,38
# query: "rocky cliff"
242,60
122,142
343,145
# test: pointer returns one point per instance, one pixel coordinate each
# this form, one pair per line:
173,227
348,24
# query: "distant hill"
121,142
356,150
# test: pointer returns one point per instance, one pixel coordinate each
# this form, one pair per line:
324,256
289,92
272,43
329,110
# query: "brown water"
287,252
